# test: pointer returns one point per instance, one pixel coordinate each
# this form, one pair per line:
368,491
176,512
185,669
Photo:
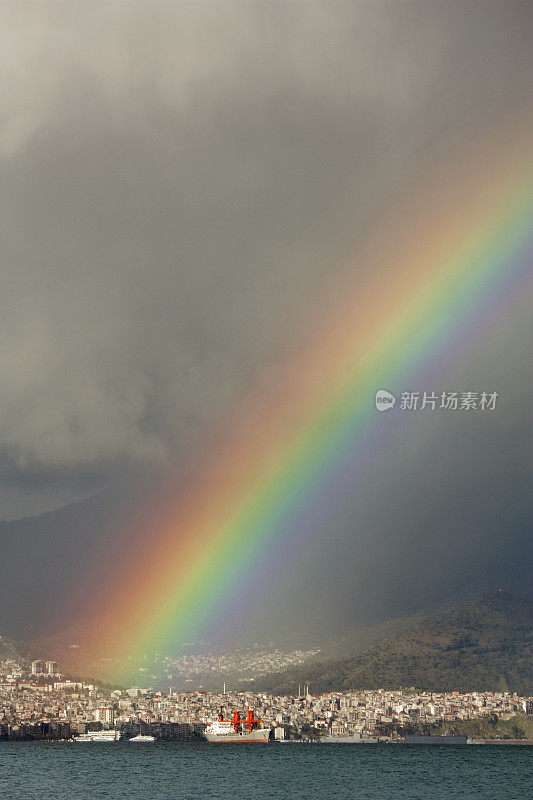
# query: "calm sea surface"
165,771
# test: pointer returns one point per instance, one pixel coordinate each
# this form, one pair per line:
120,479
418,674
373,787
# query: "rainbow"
274,462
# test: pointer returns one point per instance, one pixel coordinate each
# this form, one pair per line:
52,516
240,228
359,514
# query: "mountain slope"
50,561
483,644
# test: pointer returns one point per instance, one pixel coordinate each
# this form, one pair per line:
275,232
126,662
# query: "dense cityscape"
245,662
37,701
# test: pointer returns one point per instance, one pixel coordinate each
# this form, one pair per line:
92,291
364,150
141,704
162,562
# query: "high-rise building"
105,715
51,668
37,667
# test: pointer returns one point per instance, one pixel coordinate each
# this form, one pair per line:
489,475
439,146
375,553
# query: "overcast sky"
179,178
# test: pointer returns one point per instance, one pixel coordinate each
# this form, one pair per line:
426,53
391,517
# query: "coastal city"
245,662
38,702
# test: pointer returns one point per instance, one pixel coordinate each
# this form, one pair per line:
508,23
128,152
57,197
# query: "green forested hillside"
484,644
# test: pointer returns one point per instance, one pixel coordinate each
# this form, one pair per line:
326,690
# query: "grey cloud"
176,181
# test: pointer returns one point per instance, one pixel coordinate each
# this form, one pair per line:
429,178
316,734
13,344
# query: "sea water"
167,771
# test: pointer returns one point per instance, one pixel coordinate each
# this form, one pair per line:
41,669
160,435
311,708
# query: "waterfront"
37,705
166,771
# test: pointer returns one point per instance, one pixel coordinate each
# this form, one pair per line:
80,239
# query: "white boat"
239,730
142,738
98,736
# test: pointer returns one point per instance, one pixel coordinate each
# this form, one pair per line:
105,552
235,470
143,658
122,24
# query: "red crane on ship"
250,720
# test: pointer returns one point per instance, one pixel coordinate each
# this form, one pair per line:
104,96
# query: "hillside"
361,640
18,651
50,562
53,562
483,644
9,649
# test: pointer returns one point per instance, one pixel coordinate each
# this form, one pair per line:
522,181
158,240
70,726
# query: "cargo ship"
237,730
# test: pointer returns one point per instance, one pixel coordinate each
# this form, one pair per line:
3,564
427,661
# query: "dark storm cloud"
176,178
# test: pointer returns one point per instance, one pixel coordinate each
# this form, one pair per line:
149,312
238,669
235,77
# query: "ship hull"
255,737
349,740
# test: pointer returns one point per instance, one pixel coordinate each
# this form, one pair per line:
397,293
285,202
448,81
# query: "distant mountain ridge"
50,560
52,563
17,651
9,649
482,644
